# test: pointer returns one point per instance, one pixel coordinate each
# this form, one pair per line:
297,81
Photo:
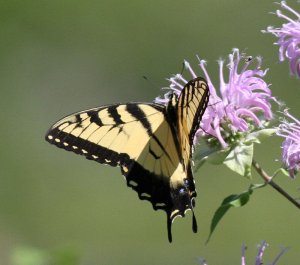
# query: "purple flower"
290,131
243,103
260,253
259,256
288,38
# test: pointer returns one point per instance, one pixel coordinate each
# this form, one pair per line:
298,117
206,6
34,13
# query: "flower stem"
268,179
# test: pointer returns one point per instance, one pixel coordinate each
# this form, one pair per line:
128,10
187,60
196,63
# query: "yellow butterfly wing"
149,142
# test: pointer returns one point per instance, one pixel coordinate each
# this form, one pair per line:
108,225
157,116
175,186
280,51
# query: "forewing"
108,134
191,105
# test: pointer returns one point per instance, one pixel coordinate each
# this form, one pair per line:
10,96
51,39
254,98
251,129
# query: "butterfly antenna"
183,67
152,84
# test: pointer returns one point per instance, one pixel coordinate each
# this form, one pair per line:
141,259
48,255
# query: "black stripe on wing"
139,114
113,113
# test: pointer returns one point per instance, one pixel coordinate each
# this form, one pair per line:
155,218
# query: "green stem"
268,179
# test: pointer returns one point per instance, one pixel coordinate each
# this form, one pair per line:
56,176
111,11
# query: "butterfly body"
151,143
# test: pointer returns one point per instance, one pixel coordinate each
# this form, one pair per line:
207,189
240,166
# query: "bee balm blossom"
259,256
240,104
288,38
290,131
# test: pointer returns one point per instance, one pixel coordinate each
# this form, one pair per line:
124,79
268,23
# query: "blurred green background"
58,57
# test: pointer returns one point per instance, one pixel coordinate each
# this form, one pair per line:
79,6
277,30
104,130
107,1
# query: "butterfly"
151,143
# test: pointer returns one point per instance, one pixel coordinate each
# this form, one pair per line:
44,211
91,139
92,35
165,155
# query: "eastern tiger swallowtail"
151,143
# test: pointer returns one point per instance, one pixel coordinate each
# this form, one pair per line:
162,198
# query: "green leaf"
239,160
203,150
218,157
214,155
258,136
234,200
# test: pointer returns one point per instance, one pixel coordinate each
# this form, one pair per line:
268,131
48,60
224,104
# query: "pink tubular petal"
260,253
290,131
188,66
288,38
243,259
250,114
